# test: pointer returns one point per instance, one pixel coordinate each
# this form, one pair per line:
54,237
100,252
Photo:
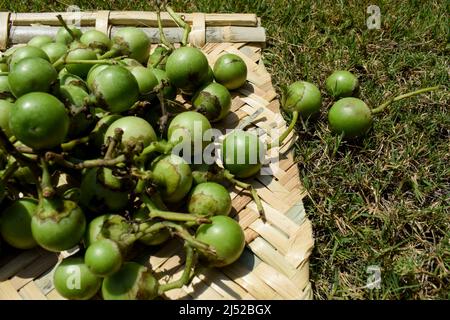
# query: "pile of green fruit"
88,128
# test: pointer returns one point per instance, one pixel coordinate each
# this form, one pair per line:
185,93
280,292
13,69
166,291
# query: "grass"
382,200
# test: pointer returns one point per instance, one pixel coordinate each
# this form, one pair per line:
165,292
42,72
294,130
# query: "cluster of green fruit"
88,125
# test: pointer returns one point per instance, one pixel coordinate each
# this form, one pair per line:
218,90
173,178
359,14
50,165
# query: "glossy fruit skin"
26,52
133,42
190,126
64,37
94,228
93,72
31,75
116,89
145,79
169,92
213,101
79,69
54,50
103,257
58,229
74,281
39,41
226,236
135,130
4,85
15,223
231,71
342,84
243,153
153,239
350,116
39,120
303,97
209,199
96,40
5,108
186,68
97,197
132,282
173,176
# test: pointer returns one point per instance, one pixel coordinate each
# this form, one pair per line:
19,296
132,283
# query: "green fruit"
93,72
40,41
350,117
213,101
80,69
230,70
190,127
186,68
209,199
96,40
31,75
303,97
242,153
94,229
26,52
64,37
135,130
116,89
73,280
5,90
145,79
58,224
341,84
39,120
173,177
132,42
132,282
103,257
99,198
5,108
54,50
226,236
15,223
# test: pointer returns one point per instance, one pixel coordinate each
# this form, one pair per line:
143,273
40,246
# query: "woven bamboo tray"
274,264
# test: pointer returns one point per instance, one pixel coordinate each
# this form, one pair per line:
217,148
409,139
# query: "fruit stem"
47,190
65,26
183,233
9,171
182,24
4,73
161,146
162,36
109,54
185,277
67,146
403,96
59,158
170,215
7,145
230,177
284,135
113,142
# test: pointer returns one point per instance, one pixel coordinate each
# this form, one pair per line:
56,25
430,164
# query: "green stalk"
162,36
9,171
185,277
47,189
281,138
403,96
65,26
181,23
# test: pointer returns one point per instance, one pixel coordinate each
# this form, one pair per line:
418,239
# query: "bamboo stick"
135,18
22,34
